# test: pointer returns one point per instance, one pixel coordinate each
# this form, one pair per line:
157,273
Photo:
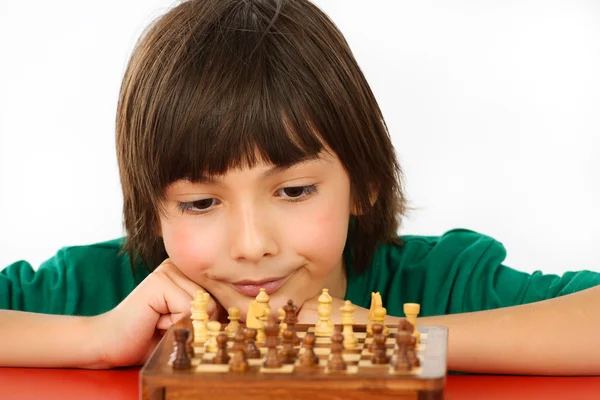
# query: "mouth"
252,288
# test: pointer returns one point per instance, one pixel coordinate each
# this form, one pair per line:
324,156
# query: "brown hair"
216,84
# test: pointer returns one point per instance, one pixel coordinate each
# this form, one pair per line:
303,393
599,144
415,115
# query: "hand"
128,333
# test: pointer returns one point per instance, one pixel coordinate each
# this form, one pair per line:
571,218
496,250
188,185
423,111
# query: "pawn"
379,349
402,361
379,318
272,332
377,330
251,350
281,318
234,318
213,330
336,362
309,358
291,319
221,357
182,359
238,363
288,353
411,352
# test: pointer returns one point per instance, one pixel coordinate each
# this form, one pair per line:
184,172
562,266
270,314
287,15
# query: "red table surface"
123,384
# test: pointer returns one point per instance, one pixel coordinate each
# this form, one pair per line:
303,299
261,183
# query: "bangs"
216,85
236,101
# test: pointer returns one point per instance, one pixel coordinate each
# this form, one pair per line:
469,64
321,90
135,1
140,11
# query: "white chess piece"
350,341
324,327
411,310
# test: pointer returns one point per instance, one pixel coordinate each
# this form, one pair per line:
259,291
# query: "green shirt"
460,271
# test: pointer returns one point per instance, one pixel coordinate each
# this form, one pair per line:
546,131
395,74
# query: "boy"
253,154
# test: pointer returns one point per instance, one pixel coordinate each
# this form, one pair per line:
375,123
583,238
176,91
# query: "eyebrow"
277,169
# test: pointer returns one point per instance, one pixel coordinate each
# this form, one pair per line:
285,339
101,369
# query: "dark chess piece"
379,349
272,331
291,320
251,350
239,363
288,353
221,357
377,330
402,361
336,362
404,325
411,352
309,358
182,359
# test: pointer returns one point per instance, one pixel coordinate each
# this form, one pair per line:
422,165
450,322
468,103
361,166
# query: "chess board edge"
157,378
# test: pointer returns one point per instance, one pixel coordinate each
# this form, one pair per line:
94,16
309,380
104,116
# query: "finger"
181,280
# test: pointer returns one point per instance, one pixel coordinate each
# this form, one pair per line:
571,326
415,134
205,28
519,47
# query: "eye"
297,193
199,206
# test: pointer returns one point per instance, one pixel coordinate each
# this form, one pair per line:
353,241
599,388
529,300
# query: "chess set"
277,358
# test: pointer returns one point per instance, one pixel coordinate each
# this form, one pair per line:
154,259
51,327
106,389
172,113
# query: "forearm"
552,337
42,340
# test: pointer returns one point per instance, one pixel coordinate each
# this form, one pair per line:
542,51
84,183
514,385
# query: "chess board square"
212,368
284,369
366,352
351,357
388,340
369,364
255,361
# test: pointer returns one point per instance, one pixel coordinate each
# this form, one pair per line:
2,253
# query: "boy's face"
283,230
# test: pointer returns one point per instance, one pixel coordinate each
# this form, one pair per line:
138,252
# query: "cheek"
191,249
321,237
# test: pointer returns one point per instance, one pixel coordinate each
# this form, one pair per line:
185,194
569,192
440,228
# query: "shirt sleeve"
86,280
464,271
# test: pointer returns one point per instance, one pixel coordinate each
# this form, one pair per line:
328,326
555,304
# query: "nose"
253,238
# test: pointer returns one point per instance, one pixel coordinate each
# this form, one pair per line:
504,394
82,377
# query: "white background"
494,108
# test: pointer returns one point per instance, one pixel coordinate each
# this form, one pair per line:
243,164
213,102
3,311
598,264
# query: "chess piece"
309,358
401,361
238,362
272,360
411,352
291,319
221,357
336,361
288,353
282,324
324,326
411,310
200,316
182,359
264,317
251,350
377,330
379,318
376,301
214,327
350,341
254,320
379,348
234,318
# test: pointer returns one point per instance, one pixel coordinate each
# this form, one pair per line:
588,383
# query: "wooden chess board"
362,379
